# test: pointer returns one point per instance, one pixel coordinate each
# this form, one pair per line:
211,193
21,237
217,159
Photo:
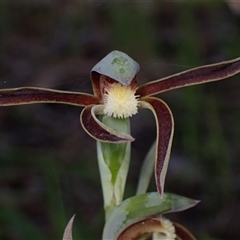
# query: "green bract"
113,161
143,206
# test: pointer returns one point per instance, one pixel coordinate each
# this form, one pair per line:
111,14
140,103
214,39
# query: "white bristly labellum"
120,101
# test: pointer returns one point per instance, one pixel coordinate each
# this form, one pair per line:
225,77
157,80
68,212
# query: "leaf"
140,207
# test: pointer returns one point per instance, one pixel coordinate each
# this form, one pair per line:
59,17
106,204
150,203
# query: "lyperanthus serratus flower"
116,94
141,217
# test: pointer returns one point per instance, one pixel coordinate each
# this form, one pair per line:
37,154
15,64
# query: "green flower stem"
113,160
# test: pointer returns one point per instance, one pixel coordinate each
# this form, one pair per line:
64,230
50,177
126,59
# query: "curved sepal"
67,235
182,233
165,129
203,74
97,129
30,95
141,207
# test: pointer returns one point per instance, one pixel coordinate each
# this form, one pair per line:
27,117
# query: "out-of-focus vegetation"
48,167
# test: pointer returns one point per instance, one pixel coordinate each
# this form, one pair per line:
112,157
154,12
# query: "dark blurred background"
48,166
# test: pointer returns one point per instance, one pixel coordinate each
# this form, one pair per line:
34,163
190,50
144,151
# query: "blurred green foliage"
48,164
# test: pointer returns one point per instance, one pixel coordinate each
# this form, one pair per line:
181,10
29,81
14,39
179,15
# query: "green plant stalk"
113,161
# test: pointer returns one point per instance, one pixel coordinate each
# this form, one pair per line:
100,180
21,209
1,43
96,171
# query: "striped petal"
207,73
30,95
165,129
97,129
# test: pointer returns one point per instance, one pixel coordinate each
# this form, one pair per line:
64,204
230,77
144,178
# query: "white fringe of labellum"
120,101
167,232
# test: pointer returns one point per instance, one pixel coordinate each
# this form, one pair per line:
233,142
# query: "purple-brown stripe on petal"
95,79
98,130
30,95
207,73
165,129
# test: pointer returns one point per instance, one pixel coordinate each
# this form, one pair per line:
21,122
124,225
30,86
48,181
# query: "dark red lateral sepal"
31,95
165,129
199,75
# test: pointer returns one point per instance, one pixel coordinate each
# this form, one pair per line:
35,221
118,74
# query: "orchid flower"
116,94
140,217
